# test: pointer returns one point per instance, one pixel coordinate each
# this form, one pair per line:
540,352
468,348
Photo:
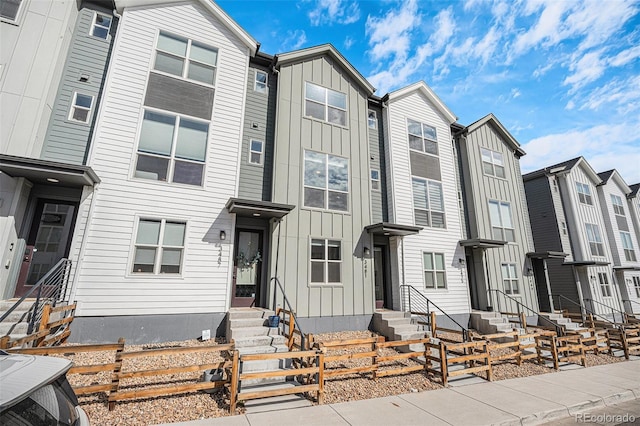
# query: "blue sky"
562,76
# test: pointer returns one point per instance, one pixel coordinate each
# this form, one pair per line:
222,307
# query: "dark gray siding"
377,161
544,223
176,95
260,111
68,141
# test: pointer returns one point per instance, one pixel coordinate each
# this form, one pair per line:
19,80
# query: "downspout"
579,287
275,272
546,279
403,269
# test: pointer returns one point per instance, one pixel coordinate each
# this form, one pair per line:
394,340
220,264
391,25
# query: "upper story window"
563,226
584,193
325,104
627,246
605,288
372,119
186,58
256,151
422,137
594,239
375,179
636,286
326,181
501,222
10,9
159,246
428,203
434,270
326,261
510,278
618,207
172,148
100,25
492,163
261,82
81,106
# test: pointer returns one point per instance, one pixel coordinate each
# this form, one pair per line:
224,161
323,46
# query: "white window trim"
604,283
508,279
326,262
256,83
597,238
616,206
74,106
636,285
434,272
501,225
19,14
627,246
251,151
156,267
95,24
379,188
185,67
326,188
422,123
430,209
375,119
326,106
588,197
493,163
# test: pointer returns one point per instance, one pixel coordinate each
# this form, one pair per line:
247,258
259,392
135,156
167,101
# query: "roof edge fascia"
423,88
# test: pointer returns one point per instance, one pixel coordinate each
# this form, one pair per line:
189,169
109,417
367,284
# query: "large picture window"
584,193
186,58
326,261
326,181
325,104
428,203
434,270
510,278
172,148
594,239
159,247
501,222
422,137
627,246
492,163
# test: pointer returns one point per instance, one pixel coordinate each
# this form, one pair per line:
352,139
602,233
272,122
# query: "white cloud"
348,42
620,94
542,70
515,93
294,39
548,29
624,57
390,35
589,67
334,12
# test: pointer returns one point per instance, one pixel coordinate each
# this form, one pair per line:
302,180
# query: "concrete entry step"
274,403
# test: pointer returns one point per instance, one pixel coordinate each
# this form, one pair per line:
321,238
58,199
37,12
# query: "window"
326,181
434,271
618,207
428,203
510,278
636,286
159,247
501,223
10,9
100,25
256,151
584,193
172,149
326,261
563,225
627,246
375,179
325,104
422,137
261,82
595,240
81,108
186,58
605,288
372,119
492,163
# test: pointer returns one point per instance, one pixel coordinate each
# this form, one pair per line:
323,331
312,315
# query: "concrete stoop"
397,325
566,323
490,322
17,323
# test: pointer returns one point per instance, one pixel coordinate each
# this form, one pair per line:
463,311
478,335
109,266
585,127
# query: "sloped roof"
606,175
215,10
504,133
617,178
329,50
634,190
565,166
423,88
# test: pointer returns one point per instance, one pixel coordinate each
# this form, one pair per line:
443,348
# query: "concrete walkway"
528,400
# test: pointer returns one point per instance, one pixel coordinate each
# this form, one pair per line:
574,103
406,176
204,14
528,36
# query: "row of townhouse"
184,172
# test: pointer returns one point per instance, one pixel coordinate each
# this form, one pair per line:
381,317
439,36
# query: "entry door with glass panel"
247,267
379,276
47,242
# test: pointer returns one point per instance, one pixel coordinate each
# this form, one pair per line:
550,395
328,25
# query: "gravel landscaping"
201,405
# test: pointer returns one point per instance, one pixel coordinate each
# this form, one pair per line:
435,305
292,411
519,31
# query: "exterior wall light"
223,235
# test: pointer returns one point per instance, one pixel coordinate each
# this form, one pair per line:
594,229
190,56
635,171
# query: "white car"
34,391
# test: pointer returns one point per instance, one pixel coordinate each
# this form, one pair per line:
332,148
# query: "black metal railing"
415,302
289,307
608,308
583,310
520,309
52,287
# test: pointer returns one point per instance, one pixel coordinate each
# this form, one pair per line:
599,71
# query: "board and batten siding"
295,134
67,141
377,162
105,285
455,298
485,188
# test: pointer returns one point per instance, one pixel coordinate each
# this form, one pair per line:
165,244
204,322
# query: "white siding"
203,285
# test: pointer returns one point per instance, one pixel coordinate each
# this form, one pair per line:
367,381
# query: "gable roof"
613,174
502,131
634,190
565,166
329,50
213,8
422,87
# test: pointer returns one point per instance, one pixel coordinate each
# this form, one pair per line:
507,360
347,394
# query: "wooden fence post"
485,347
554,352
523,318
235,373
115,378
432,320
44,323
443,364
320,358
4,342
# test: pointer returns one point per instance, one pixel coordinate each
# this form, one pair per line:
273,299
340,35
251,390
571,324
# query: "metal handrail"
613,311
286,301
409,288
583,309
49,287
519,304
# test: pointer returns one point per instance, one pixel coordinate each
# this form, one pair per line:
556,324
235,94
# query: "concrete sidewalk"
527,400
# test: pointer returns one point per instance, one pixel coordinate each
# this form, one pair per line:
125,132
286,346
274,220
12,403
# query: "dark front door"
380,276
48,241
247,268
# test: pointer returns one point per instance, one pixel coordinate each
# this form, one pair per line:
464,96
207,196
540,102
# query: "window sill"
317,120
179,77
325,285
317,209
147,275
172,184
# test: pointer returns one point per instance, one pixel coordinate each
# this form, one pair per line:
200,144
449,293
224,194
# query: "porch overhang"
482,243
586,263
626,268
392,229
46,172
258,209
547,255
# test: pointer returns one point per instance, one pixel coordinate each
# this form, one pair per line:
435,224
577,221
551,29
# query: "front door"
380,275
247,267
47,242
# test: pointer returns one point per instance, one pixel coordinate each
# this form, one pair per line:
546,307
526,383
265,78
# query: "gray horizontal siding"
377,162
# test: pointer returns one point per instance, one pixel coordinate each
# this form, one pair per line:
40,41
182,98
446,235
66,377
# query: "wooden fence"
289,330
522,346
368,343
49,332
626,339
561,349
